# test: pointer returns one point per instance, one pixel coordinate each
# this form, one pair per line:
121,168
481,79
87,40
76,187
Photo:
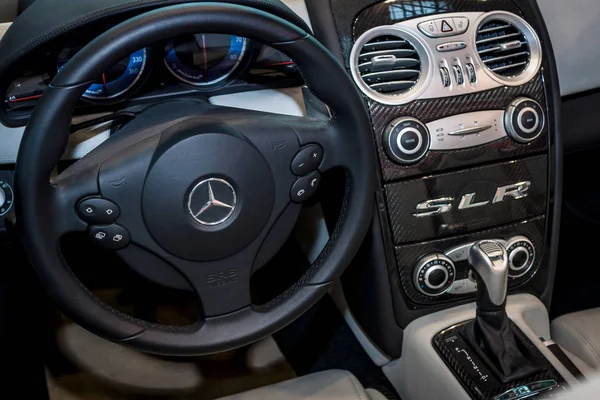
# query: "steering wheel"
204,190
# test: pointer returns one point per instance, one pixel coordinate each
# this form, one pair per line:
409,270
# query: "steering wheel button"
98,211
307,160
305,187
111,237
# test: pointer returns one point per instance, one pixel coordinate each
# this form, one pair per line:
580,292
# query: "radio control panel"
436,274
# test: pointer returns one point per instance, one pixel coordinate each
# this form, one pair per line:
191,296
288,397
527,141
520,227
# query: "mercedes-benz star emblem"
212,201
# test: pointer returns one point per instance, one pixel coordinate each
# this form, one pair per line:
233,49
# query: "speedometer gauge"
204,59
117,81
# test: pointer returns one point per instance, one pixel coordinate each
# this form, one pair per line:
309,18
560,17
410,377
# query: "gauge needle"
104,83
205,59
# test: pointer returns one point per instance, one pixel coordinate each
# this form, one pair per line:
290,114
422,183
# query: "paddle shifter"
492,334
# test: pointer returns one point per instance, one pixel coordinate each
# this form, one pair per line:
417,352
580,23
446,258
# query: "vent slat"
389,65
495,59
503,48
497,48
398,53
393,75
389,44
498,38
493,29
392,87
505,67
400,63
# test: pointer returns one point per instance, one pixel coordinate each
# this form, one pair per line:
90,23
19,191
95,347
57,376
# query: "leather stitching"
583,339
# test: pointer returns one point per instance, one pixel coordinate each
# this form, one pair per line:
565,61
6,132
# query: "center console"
462,97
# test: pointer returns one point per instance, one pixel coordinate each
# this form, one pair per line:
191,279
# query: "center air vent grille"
503,48
389,65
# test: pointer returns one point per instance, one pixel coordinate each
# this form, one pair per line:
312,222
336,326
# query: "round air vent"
508,48
387,65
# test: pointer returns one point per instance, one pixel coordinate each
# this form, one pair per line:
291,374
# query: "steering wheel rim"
43,145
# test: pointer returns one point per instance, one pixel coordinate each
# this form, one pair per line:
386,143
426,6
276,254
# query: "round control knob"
434,275
521,255
406,140
6,197
524,120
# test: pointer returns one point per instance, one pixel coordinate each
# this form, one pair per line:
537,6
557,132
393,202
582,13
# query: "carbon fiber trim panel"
446,344
403,197
407,256
391,12
434,109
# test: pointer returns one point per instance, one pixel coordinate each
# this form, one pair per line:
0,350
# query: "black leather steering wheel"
151,167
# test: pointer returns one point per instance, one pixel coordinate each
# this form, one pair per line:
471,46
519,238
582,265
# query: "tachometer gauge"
117,81
204,59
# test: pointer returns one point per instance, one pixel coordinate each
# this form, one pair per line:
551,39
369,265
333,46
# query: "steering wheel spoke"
222,286
64,197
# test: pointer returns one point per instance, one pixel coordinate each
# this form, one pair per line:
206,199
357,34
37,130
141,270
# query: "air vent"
389,65
509,48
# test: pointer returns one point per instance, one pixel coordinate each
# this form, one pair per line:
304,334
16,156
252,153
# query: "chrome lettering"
516,191
467,202
434,207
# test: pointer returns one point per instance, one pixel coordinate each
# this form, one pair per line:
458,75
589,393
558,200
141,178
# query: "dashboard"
194,65
462,96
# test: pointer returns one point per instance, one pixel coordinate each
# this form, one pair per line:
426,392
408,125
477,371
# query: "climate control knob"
521,255
434,275
524,120
406,140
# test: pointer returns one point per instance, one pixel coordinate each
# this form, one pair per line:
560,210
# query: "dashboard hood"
29,32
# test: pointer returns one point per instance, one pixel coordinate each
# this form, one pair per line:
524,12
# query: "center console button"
461,23
451,46
429,28
471,74
521,256
409,141
445,27
445,75
434,275
524,120
98,211
111,237
458,74
406,140
528,120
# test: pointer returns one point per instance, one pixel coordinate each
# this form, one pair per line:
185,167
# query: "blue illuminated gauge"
204,59
117,81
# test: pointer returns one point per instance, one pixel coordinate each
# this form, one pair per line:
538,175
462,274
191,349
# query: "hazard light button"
445,26
442,27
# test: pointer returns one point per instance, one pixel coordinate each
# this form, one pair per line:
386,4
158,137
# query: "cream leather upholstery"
579,334
326,385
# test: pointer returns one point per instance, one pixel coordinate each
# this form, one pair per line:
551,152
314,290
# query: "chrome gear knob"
489,261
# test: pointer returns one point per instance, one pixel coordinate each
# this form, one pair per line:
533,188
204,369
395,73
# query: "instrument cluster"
201,63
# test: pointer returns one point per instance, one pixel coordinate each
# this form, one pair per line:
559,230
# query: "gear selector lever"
489,261
492,334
